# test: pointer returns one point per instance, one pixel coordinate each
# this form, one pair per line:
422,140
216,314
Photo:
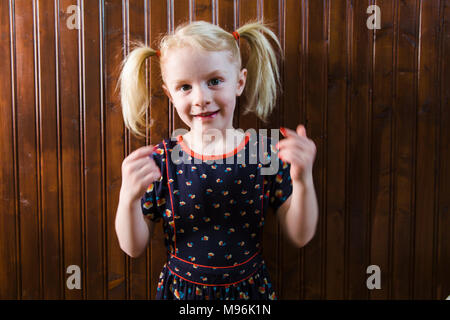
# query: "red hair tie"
236,35
158,53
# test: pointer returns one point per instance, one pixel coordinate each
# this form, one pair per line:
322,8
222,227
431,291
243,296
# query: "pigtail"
133,90
263,75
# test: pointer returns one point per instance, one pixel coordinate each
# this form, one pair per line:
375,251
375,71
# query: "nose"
201,96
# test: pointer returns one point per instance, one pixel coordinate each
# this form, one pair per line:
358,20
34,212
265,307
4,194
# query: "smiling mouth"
206,114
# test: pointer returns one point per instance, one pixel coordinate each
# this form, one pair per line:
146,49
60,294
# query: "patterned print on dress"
212,215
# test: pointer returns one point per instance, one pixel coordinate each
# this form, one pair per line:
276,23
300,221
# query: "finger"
301,131
141,152
292,143
139,164
149,170
288,132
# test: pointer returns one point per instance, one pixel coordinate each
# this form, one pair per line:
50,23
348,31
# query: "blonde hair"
263,77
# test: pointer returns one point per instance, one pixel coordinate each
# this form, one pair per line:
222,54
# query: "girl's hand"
299,152
138,172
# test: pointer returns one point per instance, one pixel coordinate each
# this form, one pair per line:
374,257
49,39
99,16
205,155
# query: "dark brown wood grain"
9,258
357,146
381,146
426,151
375,102
114,145
405,76
441,281
29,209
334,133
53,268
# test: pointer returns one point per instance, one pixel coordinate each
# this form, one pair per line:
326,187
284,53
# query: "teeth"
207,114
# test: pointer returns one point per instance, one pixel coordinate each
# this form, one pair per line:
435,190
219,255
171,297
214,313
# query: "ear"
241,82
167,92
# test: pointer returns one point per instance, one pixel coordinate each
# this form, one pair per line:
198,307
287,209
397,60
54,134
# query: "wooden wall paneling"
335,149
314,110
204,10
159,113
53,269
114,146
358,144
290,116
374,102
381,146
443,250
71,145
29,213
9,219
426,151
403,152
225,11
94,140
135,27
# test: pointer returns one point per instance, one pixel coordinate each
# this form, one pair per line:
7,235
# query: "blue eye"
215,82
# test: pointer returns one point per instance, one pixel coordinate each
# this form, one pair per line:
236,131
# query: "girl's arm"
298,215
132,228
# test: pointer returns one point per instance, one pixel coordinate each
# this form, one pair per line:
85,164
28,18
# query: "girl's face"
202,82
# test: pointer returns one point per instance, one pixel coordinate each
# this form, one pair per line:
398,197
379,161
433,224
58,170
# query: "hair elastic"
236,35
158,53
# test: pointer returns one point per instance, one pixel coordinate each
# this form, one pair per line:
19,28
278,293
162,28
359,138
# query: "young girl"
212,194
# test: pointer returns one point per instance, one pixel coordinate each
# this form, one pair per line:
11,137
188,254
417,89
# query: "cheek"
228,100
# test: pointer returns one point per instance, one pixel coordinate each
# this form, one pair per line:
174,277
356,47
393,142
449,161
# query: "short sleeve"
154,198
280,183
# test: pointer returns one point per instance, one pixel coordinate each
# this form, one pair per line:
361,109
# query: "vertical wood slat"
71,144
371,101
334,145
404,124
10,287
442,281
27,158
114,145
426,142
382,96
358,140
52,275
93,170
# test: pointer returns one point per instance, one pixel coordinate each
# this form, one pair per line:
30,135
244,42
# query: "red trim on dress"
214,267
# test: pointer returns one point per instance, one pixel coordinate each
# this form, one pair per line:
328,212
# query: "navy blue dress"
213,210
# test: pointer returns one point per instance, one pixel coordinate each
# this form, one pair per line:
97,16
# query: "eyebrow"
217,71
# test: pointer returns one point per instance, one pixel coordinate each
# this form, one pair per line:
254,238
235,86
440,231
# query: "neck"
213,142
